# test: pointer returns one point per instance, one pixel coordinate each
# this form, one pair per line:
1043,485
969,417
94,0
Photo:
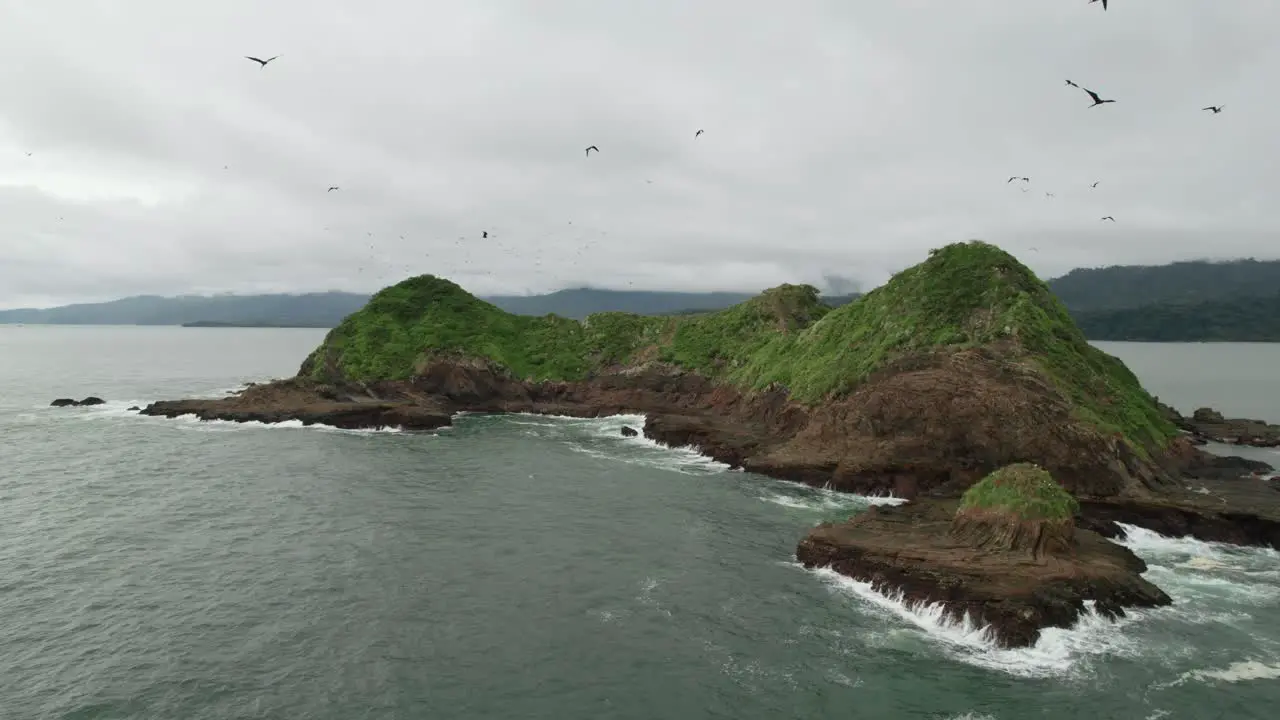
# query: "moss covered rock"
1018,508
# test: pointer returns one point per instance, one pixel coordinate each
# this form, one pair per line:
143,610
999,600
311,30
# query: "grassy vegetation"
409,322
966,294
1025,490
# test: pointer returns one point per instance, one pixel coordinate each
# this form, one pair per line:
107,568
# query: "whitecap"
1056,653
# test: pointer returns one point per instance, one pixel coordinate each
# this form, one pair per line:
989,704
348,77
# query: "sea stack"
1007,556
1017,509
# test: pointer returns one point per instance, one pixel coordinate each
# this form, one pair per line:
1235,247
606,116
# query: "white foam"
805,497
120,409
607,442
1243,671
285,425
1150,544
1057,652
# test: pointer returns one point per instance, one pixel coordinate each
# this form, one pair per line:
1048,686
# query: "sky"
141,153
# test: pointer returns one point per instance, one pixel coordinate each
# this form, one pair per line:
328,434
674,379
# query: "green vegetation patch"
964,295
407,323
1024,490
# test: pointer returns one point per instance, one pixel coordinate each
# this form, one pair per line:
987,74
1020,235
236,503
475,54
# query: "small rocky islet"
961,385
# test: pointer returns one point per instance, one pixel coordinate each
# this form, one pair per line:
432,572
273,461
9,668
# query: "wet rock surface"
917,552
68,402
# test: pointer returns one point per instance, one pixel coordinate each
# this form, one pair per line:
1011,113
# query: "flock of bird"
484,234
1097,100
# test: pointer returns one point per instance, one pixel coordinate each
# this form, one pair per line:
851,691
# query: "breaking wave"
1210,583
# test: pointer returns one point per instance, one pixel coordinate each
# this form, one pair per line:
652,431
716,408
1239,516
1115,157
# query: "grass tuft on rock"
1023,492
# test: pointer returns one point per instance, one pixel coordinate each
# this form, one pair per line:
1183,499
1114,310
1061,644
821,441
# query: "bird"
1215,108
1048,195
28,154
484,234
590,148
1072,84
1109,218
1095,184
260,61
332,188
1096,100
1104,3
698,133
1015,177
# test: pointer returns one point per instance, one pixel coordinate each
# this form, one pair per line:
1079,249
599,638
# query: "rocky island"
957,367
1007,555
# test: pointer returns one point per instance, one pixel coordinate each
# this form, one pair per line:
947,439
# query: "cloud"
843,140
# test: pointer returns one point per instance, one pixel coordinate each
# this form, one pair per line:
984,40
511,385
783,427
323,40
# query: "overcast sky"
842,139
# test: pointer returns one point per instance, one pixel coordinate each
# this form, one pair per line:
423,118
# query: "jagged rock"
629,431
68,402
1209,425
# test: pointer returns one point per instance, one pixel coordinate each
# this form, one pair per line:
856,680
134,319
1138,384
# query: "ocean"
520,567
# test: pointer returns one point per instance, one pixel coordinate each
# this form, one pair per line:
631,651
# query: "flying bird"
1072,84
1095,184
1015,177
1048,195
485,234
697,133
590,148
1215,108
260,61
1104,3
332,188
1096,100
28,154
1109,218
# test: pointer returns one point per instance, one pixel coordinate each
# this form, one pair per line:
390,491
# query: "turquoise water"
509,567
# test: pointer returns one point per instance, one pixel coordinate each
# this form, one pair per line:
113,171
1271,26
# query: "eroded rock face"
911,551
925,427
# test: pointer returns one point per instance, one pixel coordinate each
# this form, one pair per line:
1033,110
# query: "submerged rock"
68,402
629,431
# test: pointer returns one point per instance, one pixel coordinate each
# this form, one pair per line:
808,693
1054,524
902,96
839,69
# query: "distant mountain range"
1197,300
327,309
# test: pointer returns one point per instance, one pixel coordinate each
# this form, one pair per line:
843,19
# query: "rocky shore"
1209,425
956,368
912,552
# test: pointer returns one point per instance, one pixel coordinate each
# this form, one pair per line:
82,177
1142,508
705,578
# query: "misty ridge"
1235,290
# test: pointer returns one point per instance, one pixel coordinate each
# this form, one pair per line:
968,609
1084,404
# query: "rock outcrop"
1207,424
1001,565
68,402
956,367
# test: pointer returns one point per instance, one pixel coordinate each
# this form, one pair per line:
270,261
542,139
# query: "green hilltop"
964,295
1024,490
